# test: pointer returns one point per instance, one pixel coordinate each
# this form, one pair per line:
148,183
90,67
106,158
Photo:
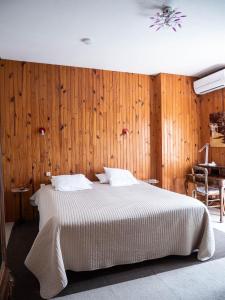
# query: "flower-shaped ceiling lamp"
168,17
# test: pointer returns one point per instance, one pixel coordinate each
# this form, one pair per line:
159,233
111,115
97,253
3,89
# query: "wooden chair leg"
207,200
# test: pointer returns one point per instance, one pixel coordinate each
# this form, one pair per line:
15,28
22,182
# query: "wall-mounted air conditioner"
210,83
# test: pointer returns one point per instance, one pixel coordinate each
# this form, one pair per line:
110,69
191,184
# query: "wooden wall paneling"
126,120
5,132
7,166
118,121
147,111
129,153
115,97
180,129
98,136
127,123
156,130
130,136
6,117
89,158
42,97
105,117
140,120
115,101
100,118
94,125
89,122
83,112
54,115
134,129
145,105
113,104
64,121
69,117
78,132
174,130
85,86
209,103
136,122
35,124
83,166
72,99
121,121
27,134
133,121
126,105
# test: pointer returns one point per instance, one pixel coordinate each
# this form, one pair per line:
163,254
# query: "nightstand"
152,181
20,191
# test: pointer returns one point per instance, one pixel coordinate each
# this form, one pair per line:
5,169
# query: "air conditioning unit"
210,83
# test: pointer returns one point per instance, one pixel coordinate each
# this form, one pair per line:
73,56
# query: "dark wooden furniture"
20,191
5,278
216,177
209,194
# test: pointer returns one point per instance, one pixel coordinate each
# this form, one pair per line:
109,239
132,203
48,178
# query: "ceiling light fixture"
86,41
168,17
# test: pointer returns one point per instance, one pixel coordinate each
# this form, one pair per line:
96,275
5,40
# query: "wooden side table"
152,181
20,191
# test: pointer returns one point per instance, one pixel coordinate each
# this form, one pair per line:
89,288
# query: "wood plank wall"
83,111
179,109
209,103
156,131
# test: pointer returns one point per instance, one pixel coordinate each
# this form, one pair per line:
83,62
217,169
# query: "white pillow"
74,182
102,178
120,177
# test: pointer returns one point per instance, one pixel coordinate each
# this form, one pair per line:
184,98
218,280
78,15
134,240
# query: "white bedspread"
107,226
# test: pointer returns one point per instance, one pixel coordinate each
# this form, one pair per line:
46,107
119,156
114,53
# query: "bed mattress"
107,226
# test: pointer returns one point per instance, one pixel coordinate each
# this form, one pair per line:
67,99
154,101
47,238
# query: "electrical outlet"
48,174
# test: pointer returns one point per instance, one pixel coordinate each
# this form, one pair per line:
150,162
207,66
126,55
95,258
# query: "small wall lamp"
42,130
125,131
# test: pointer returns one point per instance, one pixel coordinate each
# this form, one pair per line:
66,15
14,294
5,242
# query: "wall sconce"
125,131
42,130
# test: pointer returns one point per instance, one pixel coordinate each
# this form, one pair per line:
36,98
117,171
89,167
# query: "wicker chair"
209,194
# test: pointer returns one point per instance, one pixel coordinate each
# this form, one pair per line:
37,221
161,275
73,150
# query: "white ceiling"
49,31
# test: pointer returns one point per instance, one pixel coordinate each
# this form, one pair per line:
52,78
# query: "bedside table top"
20,190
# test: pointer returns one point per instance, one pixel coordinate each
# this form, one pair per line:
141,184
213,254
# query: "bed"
107,226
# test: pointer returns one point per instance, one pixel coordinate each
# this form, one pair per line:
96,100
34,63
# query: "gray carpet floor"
168,278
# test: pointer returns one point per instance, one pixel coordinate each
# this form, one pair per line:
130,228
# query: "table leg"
21,213
221,204
21,219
